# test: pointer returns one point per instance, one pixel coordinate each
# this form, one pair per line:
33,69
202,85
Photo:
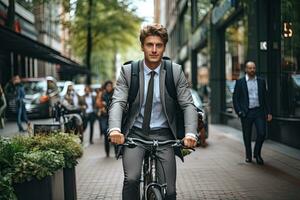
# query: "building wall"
214,38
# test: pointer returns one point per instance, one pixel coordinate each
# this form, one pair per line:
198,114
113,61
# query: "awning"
18,43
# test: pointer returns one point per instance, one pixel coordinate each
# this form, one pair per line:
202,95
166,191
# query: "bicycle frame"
149,177
149,169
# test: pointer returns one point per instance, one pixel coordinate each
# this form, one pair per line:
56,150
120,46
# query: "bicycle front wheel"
154,193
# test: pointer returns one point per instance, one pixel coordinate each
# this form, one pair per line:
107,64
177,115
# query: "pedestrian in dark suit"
152,114
250,101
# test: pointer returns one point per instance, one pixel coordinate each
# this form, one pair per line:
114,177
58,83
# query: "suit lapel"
162,78
245,88
141,75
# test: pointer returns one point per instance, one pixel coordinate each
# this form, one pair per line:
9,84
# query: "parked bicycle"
150,188
71,120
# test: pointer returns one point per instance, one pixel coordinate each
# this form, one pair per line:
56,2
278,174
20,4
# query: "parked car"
41,95
199,104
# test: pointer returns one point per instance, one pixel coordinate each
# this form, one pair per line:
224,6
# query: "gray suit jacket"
119,100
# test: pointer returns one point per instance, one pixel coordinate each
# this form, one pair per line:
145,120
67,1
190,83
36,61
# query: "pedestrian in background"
108,91
87,104
250,101
2,107
20,105
100,108
70,104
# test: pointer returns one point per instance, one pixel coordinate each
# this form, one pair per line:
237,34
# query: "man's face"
17,80
251,69
153,49
87,90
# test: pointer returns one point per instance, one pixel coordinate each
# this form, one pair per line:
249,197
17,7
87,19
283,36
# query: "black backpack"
170,86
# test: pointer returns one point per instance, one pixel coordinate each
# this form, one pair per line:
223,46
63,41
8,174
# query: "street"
215,172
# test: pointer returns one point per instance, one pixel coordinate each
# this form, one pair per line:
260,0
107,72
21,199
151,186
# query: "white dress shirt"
158,119
252,92
89,103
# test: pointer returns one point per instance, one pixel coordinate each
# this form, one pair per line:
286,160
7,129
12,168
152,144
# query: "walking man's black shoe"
248,160
259,160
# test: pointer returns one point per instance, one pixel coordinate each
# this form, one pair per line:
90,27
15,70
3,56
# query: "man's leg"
19,117
132,166
166,169
24,114
260,124
247,132
104,126
91,120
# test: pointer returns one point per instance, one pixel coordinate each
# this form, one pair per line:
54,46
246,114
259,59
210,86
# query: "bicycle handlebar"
131,143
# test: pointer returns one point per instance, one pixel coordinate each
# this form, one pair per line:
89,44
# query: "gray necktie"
148,106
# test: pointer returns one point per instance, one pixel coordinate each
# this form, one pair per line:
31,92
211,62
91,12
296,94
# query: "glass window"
33,87
290,58
188,70
203,7
203,61
235,52
185,25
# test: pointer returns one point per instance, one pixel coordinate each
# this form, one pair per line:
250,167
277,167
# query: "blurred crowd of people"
92,108
82,111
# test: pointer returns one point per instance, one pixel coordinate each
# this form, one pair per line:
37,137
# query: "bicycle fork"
150,176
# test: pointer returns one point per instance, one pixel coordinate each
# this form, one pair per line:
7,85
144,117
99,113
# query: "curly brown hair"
154,30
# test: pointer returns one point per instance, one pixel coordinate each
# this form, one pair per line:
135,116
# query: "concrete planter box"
49,188
70,183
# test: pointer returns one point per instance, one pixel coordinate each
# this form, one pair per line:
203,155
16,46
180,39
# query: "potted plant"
71,149
36,162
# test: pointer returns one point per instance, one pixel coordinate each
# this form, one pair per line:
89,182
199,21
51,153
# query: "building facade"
211,39
38,44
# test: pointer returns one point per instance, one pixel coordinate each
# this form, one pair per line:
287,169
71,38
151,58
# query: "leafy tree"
112,28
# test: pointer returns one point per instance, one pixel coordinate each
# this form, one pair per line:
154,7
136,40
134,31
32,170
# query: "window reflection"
203,7
235,52
290,69
203,60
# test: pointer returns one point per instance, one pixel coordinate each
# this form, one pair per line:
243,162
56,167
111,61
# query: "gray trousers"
133,160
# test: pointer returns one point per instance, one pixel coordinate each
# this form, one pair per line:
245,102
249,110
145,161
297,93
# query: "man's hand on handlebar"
116,137
189,141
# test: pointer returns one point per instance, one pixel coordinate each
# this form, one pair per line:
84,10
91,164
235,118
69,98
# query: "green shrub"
65,143
25,158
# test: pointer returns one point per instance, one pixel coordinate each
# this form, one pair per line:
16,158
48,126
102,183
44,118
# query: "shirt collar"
147,70
247,78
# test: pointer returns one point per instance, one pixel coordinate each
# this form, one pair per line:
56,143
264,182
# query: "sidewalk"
11,127
215,172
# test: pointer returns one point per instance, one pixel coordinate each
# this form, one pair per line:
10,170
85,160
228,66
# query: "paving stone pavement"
215,172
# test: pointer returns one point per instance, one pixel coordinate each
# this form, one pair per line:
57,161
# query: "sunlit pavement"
215,172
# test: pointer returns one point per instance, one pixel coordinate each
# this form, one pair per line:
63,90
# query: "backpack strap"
134,82
170,84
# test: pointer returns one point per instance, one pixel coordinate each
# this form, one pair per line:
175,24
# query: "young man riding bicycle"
152,114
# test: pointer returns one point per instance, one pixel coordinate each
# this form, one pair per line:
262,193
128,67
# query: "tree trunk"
89,41
10,14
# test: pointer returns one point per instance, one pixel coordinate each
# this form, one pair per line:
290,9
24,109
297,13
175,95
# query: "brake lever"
130,143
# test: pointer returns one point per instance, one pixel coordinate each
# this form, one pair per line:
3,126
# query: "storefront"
201,52
285,59
20,54
267,33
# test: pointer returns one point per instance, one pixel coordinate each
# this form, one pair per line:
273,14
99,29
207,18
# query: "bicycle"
150,188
